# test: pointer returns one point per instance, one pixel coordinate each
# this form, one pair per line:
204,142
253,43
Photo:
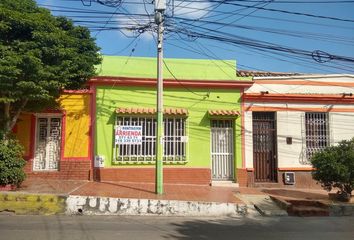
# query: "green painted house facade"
202,120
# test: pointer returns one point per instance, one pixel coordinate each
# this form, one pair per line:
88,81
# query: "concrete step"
224,184
302,207
267,210
263,204
307,211
310,203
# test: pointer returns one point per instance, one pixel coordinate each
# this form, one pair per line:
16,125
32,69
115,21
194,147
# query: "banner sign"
128,134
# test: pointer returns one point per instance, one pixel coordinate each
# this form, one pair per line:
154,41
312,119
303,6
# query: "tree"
335,168
11,163
40,55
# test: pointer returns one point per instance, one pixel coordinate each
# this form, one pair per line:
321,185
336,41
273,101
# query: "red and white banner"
128,134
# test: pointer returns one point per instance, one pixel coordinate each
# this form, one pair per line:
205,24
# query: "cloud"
192,10
195,9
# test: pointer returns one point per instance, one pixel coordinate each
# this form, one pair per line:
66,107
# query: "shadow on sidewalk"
130,186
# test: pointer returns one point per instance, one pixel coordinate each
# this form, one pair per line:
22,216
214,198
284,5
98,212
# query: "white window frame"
48,116
222,149
320,136
175,149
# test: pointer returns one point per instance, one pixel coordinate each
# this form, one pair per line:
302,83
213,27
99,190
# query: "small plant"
335,168
11,163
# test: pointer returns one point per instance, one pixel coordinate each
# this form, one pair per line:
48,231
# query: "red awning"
150,111
226,113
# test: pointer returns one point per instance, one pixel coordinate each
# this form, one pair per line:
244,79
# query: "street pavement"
146,228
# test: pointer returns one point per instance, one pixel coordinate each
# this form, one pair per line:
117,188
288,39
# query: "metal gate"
264,143
222,150
48,137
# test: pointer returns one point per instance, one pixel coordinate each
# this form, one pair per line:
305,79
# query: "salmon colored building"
288,118
57,143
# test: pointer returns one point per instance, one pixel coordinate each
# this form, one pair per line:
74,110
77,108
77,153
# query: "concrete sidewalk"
200,193
103,198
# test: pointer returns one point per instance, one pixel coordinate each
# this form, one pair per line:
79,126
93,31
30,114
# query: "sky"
303,36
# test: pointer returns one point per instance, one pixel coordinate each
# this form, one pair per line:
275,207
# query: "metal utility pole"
160,7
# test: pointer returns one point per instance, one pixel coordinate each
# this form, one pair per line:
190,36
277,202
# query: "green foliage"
40,55
335,168
11,163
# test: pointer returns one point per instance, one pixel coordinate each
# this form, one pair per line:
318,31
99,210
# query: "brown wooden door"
264,147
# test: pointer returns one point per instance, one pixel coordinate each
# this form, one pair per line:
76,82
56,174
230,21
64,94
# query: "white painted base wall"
122,206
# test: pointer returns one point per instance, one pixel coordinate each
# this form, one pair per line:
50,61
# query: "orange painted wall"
76,124
23,132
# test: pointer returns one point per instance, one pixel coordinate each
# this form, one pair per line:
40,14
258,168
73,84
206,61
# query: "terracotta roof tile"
150,111
249,73
223,113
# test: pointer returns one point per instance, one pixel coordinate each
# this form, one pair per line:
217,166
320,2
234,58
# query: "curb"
342,209
49,204
89,205
22,203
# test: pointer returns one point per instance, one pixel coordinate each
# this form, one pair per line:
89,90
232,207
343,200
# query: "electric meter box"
289,178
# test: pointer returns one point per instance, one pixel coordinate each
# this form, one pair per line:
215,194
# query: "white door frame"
49,116
222,160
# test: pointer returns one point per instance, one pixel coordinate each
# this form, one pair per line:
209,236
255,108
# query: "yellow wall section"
24,131
77,134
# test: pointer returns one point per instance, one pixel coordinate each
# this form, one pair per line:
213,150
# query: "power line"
289,12
260,70
298,2
178,81
107,21
293,33
281,11
261,52
82,11
250,1
237,40
183,27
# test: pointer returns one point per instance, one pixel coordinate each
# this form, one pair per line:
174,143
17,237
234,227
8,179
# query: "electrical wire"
179,82
283,32
237,40
289,12
182,27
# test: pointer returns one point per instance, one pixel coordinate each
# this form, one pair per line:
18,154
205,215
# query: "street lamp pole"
160,7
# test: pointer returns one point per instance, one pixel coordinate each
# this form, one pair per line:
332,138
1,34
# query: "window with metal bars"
317,132
175,140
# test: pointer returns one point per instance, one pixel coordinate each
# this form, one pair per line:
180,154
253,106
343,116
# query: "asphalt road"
146,228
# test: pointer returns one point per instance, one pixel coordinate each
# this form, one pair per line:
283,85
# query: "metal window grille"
175,141
48,137
317,132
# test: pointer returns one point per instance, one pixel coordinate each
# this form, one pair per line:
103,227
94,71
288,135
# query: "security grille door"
222,152
47,150
264,142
